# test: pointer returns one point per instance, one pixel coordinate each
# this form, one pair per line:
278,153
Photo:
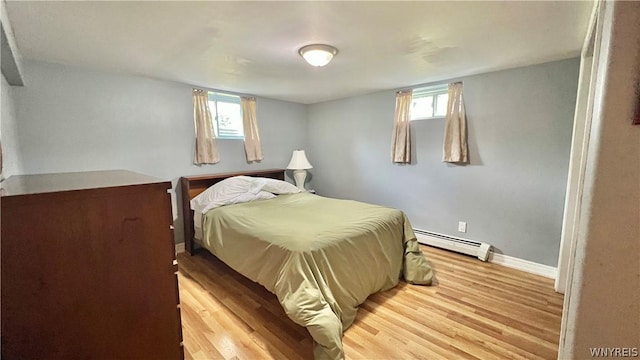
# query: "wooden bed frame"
194,185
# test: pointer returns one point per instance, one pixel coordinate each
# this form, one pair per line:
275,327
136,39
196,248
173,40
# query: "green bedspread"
322,257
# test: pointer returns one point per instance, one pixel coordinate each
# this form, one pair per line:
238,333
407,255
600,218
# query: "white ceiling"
251,47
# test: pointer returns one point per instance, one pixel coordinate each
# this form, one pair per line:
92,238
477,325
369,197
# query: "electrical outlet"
462,226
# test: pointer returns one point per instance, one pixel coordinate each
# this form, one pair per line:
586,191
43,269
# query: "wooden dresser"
88,268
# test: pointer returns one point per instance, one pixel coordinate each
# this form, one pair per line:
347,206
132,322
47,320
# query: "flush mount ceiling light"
318,54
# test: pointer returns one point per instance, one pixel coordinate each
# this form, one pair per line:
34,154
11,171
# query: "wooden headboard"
194,185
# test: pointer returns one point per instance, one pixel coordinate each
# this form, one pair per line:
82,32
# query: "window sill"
230,138
428,118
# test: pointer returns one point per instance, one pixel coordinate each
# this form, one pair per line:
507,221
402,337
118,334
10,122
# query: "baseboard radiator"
464,246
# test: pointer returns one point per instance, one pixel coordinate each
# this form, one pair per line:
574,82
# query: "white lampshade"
299,161
318,54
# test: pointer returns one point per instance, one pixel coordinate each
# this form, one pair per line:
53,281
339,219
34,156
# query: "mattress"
321,257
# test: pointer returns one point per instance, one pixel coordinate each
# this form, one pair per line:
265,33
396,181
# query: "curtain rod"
223,92
430,85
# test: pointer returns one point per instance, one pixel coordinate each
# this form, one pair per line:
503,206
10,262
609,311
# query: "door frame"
579,150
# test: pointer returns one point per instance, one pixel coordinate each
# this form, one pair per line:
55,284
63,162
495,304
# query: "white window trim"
427,91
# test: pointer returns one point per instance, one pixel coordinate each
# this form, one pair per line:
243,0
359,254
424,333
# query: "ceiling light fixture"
318,54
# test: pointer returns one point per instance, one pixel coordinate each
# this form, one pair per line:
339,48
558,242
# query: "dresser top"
46,183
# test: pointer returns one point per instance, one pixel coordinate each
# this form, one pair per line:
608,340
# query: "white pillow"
229,191
239,189
276,186
242,198
226,188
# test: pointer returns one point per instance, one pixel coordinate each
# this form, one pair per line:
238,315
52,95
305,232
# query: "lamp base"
300,176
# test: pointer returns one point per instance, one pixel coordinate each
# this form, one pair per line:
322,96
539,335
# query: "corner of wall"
11,63
11,163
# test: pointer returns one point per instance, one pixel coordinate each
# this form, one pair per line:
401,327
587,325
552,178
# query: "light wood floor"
474,310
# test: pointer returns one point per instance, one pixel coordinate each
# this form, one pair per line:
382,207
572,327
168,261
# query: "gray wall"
511,194
73,119
11,163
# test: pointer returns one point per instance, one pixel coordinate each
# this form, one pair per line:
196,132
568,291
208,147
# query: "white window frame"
433,91
214,99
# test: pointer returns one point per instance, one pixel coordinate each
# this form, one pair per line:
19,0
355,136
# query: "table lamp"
299,164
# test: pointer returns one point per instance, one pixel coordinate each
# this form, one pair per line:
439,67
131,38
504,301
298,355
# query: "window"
429,102
227,115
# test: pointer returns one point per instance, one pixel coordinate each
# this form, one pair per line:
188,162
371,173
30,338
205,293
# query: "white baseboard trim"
524,265
179,248
516,263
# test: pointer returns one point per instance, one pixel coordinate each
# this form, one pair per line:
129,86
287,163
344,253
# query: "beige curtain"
206,148
401,137
252,146
455,131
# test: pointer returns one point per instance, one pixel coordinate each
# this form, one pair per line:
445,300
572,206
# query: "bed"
321,257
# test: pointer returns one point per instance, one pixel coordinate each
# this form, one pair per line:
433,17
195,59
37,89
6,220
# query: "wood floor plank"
474,310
